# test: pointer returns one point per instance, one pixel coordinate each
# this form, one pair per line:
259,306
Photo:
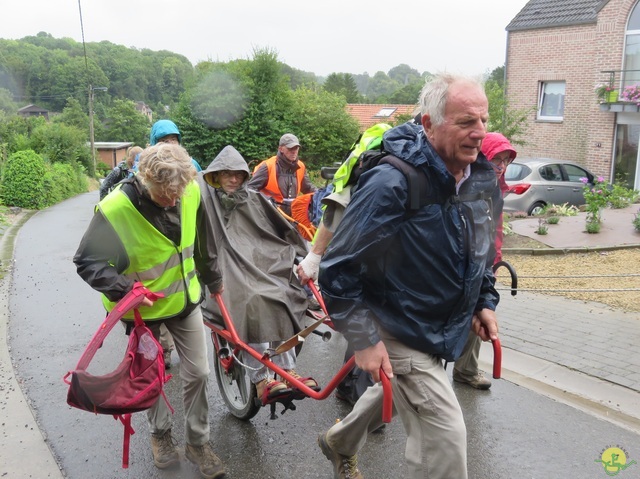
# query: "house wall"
577,55
111,157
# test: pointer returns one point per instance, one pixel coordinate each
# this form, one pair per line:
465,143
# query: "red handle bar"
497,358
387,398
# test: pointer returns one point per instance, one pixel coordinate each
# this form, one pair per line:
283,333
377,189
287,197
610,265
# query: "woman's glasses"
230,174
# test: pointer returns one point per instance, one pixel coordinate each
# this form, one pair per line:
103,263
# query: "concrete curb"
551,251
24,451
576,389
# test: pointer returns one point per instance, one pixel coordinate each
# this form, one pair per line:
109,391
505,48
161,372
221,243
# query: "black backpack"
419,191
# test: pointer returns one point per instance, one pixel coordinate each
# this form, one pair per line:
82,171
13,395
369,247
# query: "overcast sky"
353,36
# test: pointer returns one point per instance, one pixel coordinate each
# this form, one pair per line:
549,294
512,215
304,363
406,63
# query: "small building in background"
143,108
33,110
370,114
111,152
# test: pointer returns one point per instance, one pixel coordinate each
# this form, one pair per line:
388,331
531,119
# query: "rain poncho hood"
162,128
495,143
256,248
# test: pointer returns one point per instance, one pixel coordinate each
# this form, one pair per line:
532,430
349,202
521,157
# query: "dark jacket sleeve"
259,179
307,186
101,258
367,230
110,181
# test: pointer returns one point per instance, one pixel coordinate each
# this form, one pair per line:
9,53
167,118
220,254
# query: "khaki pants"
424,399
191,345
467,364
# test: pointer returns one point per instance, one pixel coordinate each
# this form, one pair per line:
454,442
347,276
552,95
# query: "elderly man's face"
230,180
459,138
290,154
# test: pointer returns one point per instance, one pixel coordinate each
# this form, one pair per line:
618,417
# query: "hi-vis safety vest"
370,139
272,188
154,260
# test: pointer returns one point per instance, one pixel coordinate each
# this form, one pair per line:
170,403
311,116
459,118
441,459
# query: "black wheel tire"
536,208
236,389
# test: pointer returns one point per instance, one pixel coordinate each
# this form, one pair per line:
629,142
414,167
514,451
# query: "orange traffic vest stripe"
272,188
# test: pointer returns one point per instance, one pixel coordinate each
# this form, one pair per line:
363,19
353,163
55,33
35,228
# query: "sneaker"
166,354
164,450
209,464
344,467
309,381
269,388
478,381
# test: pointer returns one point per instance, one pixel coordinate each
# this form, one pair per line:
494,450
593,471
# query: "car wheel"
536,208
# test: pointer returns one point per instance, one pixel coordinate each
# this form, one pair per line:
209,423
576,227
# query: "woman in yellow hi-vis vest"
145,231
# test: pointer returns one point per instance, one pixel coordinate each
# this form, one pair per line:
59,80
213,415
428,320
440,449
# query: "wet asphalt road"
513,432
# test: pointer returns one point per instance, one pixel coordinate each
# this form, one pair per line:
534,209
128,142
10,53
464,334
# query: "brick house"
557,52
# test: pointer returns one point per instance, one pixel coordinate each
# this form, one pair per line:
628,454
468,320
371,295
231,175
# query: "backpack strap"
417,182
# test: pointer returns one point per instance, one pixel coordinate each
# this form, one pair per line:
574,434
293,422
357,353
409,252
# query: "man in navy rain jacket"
405,288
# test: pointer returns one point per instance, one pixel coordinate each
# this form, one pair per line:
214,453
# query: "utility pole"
93,150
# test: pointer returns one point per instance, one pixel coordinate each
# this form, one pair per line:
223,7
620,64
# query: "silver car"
537,182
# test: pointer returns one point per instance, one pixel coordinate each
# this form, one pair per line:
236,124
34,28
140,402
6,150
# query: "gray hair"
166,168
433,97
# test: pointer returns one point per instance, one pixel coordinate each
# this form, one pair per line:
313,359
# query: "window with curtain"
551,100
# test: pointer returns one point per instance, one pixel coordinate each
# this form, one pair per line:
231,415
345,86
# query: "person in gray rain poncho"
256,248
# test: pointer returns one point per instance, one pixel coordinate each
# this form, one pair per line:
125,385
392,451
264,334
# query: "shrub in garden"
23,180
636,221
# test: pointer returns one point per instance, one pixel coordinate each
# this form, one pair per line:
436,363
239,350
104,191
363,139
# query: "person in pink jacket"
500,153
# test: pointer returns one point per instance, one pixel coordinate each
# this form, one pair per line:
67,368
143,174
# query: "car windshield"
516,172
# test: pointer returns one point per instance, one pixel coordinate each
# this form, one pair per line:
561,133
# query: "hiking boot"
166,355
269,389
308,381
344,467
164,450
209,464
478,381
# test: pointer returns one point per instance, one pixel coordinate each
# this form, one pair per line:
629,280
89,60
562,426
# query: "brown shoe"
209,464
164,450
344,467
478,381
270,389
308,381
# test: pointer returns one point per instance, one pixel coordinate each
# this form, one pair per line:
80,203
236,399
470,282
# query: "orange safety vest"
272,188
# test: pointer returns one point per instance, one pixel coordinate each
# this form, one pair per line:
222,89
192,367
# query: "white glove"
310,265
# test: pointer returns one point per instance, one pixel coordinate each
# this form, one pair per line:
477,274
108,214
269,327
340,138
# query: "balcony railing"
619,90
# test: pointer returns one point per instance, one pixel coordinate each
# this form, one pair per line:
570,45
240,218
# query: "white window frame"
543,98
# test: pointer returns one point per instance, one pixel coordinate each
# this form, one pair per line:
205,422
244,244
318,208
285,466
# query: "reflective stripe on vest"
154,260
273,188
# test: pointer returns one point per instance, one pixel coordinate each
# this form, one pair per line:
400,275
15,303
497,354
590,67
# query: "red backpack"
135,385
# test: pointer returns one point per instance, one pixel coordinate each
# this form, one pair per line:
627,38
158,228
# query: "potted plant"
606,93
631,94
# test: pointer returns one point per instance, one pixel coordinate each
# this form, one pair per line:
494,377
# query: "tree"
404,74
321,122
511,123
73,115
381,86
343,84
126,123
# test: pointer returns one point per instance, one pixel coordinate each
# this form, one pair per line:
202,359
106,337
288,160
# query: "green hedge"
23,180
29,182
